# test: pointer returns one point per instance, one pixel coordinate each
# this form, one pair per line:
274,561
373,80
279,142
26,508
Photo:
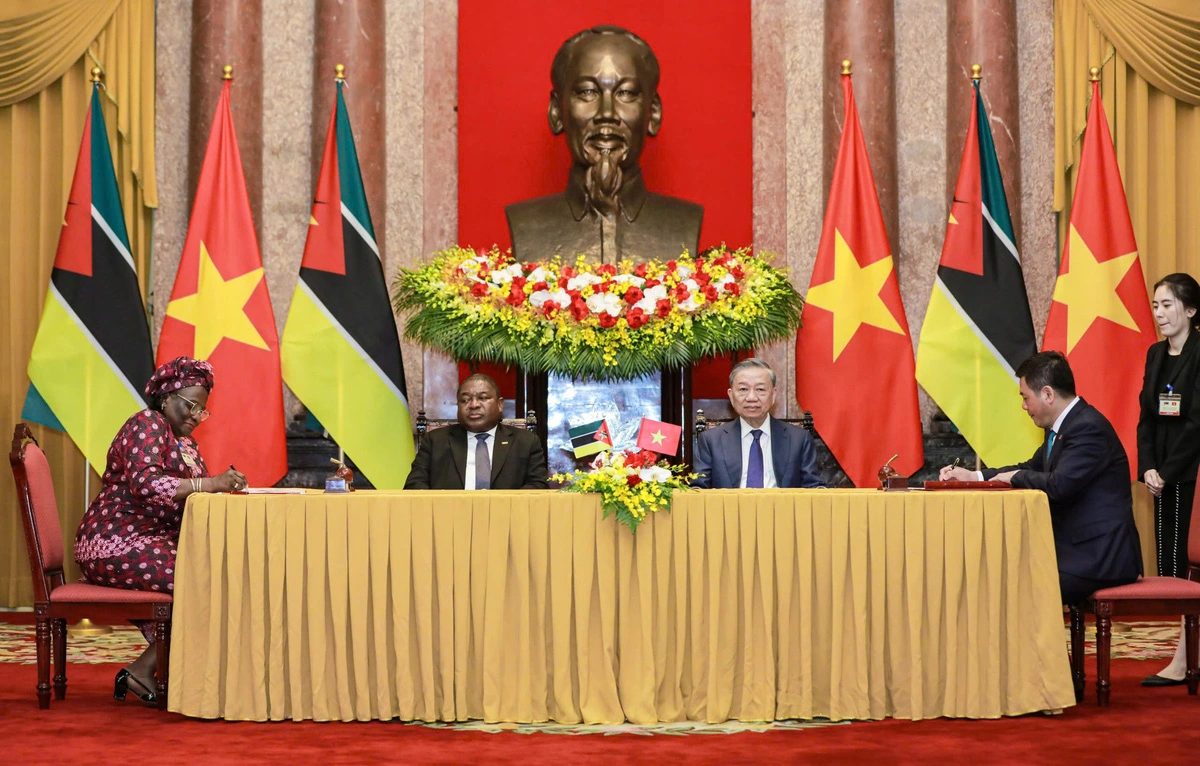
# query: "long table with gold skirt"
751,605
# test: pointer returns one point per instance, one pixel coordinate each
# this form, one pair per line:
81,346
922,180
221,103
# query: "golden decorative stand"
86,627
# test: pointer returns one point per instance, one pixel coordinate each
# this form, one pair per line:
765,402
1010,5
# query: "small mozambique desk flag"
92,354
590,438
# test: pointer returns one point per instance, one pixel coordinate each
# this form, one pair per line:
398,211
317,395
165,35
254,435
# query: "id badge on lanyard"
1169,403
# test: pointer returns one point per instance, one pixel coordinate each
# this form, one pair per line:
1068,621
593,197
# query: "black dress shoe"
121,686
1157,680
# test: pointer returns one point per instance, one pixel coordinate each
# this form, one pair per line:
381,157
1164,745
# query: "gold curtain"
45,58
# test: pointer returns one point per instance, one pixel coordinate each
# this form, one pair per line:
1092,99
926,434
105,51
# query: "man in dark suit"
479,452
755,449
1083,469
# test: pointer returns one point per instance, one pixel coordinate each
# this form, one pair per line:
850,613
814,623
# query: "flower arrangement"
593,320
631,484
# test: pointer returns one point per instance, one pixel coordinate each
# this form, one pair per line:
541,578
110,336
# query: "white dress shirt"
1055,428
472,444
764,441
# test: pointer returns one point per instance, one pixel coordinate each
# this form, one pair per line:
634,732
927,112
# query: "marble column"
985,32
350,32
228,32
864,31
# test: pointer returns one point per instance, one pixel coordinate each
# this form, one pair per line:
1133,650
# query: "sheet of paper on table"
270,491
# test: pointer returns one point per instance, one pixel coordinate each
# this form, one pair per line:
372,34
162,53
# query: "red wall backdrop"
703,153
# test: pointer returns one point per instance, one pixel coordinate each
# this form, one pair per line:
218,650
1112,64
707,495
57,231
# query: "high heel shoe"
121,687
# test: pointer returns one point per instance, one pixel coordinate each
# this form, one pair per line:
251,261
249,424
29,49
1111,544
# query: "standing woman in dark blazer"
1168,433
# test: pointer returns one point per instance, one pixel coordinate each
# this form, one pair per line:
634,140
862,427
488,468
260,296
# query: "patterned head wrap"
181,372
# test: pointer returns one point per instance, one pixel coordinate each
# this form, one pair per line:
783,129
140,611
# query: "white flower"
604,303
647,305
538,275
720,283
505,276
656,293
557,297
691,285
655,473
690,304
632,279
581,281
683,271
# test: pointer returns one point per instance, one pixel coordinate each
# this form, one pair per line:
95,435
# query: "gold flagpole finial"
97,74
1094,74
339,72
976,72
227,72
845,66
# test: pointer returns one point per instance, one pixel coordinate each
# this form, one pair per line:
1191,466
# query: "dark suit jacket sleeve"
1035,463
807,476
1082,460
1182,459
703,461
536,476
418,475
1146,414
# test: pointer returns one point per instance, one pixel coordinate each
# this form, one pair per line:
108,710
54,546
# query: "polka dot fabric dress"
128,536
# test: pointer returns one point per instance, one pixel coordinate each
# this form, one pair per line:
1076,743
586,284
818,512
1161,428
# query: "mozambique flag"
854,357
590,438
978,328
1100,318
220,311
341,352
92,354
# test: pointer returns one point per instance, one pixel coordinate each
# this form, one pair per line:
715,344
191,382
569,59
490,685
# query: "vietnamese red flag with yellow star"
854,355
1100,318
220,311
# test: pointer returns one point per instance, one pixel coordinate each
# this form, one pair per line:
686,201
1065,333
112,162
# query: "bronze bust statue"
605,98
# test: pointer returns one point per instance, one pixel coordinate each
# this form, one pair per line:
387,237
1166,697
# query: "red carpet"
1142,726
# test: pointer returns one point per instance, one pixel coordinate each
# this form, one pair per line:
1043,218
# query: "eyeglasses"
193,407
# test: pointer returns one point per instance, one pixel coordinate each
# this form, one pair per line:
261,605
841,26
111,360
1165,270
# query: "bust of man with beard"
605,98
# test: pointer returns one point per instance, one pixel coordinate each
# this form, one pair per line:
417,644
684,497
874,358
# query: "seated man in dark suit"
1083,469
479,452
755,449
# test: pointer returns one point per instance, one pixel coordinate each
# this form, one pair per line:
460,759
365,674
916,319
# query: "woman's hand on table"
230,481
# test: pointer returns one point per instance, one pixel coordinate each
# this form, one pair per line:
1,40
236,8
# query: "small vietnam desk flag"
657,436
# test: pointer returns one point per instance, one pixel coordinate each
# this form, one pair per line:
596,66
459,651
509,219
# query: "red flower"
549,309
737,272
519,282
579,309
562,282
569,271
635,318
702,278
607,269
732,288
633,295
607,320
633,479
681,292
640,270
652,283
516,296
479,290
721,260
710,293
662,308
603,287
540,286
672,265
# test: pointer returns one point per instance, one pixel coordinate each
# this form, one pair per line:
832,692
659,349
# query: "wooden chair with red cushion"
1148,597
55,600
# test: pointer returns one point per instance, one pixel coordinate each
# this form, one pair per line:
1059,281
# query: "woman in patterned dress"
128,536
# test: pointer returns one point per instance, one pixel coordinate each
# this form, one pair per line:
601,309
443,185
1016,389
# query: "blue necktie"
1050,443
754,473
483,463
